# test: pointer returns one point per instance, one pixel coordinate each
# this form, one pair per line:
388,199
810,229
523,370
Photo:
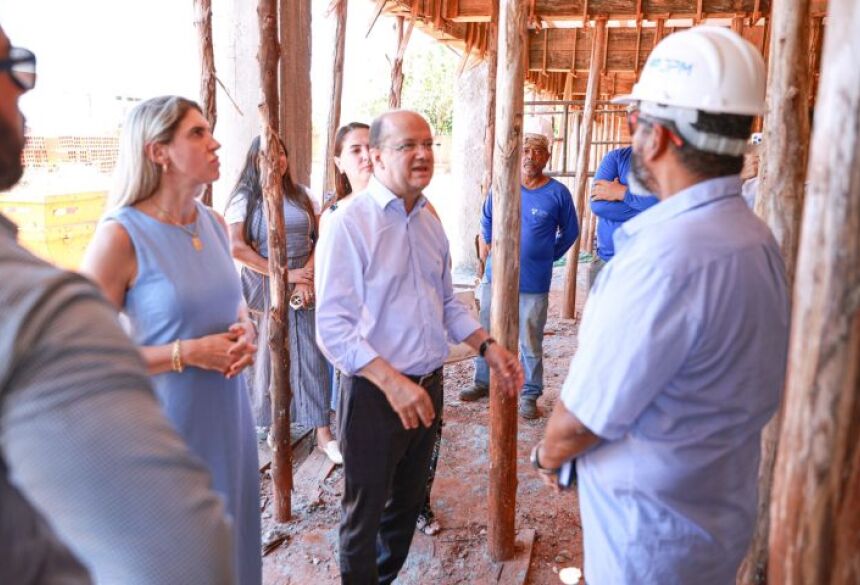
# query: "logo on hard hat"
664,65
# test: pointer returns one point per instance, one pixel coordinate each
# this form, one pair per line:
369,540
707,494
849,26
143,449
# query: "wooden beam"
780,203
203,24
585,10
815,513
295,86
271,177
339,11
504,323
597,50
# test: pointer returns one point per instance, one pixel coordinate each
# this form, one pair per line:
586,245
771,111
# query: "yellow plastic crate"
56,227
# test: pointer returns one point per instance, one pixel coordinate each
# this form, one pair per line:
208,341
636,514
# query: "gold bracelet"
176,356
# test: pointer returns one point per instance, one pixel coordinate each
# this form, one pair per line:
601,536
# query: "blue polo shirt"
616,165
548,228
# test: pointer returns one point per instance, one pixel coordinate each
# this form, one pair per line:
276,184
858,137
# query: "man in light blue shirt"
683,343
385,310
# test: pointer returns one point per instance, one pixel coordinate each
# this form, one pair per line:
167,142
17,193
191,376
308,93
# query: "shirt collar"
7,227
700,194
383,196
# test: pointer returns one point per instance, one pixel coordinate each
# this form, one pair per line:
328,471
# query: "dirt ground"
457,555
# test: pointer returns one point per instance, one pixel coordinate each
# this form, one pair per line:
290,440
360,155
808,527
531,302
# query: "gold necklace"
191,231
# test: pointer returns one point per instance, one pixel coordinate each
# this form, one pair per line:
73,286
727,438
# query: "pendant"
197,243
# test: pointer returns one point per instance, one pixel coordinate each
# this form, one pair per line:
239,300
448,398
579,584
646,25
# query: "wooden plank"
296,101
569,299
310,475
339,12
504,323
816,499
515,571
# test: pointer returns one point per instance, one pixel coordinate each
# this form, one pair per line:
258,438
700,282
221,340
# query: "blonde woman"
164,260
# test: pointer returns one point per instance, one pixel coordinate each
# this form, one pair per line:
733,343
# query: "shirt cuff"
463,328
359,357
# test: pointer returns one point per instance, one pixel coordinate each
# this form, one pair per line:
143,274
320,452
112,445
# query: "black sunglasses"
21,65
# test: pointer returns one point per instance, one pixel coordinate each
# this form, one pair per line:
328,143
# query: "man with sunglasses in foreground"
95,485
682,349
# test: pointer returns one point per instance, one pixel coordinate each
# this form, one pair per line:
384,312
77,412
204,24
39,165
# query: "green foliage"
428,85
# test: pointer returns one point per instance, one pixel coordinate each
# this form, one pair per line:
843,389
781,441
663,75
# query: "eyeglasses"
635,117
21,65
409,147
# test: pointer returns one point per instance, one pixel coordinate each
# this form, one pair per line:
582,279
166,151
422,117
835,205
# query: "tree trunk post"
203,24
270,152
598,46
492,65
815,510
780,204
339,10
504,323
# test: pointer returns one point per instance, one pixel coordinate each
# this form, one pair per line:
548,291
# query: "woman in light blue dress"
164,260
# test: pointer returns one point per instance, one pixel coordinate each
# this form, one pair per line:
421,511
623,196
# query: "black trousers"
385,476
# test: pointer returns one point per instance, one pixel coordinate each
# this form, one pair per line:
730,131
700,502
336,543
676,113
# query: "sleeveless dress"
180,293
309,374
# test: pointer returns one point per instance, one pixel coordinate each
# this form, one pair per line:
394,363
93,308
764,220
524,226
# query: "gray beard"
638,178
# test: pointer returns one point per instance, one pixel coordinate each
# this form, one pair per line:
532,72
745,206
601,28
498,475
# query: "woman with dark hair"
309,379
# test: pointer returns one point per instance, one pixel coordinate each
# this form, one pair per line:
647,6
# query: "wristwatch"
482,349
536,462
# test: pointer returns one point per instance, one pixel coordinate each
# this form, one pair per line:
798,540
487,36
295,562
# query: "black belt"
421,380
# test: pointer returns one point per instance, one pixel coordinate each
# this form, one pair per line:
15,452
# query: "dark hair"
709,165
342,187
248,185
377,130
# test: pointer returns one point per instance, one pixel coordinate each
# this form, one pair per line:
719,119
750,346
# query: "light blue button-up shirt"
681,361
383,286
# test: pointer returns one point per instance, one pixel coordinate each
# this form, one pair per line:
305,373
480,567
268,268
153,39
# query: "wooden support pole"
396,90
504,323
492,65
295,86
339,9
782,173
203,24
270,153
598,46
815,513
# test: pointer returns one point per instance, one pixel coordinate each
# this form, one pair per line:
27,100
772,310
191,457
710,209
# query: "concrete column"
235,37
467,166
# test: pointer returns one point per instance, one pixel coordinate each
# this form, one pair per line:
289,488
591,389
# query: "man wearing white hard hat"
548,228
682,348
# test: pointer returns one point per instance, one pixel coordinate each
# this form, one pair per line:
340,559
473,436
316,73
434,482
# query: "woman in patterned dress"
309,379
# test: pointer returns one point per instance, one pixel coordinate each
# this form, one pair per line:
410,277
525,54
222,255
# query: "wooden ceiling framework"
560,34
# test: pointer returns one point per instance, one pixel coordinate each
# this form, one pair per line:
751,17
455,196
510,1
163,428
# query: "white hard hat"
703,69
538,124
707,68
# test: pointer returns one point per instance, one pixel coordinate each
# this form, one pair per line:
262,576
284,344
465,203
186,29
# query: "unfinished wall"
235,36
467,166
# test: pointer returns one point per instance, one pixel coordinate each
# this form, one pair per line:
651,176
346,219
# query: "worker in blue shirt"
548,228
612,201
